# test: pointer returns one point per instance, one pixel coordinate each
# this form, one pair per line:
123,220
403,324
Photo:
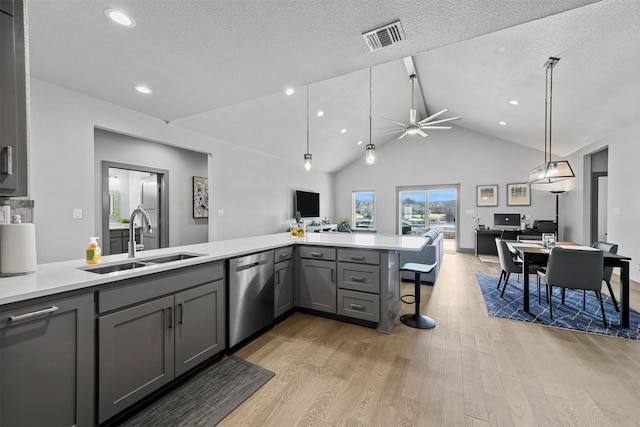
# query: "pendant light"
370,149
307,156
551,170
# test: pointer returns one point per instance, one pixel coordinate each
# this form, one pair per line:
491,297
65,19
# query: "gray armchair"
574,269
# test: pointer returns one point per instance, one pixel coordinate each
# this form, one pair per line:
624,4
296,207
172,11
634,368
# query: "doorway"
432,206
125,187
599,195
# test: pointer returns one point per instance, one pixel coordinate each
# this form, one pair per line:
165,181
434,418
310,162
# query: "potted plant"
297,229
344,226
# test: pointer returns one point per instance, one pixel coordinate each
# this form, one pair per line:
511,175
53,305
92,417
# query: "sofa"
431,253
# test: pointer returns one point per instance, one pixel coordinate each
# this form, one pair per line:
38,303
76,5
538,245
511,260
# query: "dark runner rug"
207,398
568,315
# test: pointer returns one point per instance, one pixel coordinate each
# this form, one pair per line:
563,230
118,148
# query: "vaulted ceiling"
221,67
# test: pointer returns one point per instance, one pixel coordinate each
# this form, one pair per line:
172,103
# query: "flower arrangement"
476,219
297,229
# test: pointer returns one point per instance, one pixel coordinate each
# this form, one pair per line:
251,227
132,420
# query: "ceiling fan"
415,127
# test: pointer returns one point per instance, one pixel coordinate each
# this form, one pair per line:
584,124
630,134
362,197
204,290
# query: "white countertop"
64,276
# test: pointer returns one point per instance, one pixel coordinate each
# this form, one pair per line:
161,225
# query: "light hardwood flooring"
471,370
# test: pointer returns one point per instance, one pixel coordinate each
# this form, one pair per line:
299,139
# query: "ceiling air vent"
384,36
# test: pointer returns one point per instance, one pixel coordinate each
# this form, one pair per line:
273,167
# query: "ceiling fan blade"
403,135
443,121
433,116
422,134
391,133
393,121
427,126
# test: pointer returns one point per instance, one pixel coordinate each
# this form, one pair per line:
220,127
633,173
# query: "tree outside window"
364,210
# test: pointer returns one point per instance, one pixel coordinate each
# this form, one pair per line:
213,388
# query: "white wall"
253,189
182,166
456,156
623,194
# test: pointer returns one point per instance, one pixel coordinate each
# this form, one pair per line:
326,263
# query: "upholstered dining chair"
607,271
574,269
509,265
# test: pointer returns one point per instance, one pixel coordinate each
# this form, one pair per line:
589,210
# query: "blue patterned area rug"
568,315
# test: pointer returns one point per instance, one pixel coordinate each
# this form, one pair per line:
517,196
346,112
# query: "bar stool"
417,320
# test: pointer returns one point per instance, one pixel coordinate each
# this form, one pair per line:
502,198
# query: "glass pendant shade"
551,172
370,154
307,162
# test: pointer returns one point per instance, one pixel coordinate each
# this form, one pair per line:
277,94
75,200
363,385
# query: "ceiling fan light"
412,130
370,154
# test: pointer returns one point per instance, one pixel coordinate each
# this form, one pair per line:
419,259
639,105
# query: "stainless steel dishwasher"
250,295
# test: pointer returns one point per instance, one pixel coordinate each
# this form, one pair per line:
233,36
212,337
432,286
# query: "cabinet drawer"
282,254
355,255
318,252
359,277
359,305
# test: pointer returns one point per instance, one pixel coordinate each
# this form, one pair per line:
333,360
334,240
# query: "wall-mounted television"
308,203
506,220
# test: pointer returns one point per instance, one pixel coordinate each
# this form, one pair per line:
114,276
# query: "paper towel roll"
17,249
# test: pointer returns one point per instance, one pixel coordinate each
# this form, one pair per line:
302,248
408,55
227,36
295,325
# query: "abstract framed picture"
200,197
486,195
518,194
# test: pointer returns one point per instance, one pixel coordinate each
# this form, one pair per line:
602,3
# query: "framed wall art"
518,194
200,197
486,195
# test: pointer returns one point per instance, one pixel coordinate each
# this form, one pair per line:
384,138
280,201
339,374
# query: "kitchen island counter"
67,276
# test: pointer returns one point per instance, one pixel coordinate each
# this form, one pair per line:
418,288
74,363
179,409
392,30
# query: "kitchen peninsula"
64,324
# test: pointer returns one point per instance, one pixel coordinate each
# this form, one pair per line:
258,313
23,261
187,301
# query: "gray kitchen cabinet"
317,278
13,127
153,329
47,362
119,240
283,282
359,284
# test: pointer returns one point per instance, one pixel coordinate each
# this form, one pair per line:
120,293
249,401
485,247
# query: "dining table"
534,252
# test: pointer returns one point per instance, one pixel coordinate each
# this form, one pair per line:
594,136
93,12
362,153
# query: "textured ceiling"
221,67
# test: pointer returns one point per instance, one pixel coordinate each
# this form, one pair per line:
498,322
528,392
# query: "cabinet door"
135,354
47,363
318,285
283,289
200,325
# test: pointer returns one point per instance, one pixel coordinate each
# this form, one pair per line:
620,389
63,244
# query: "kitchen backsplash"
22,207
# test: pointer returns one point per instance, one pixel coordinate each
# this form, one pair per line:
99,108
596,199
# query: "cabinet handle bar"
357,278
7,168
34,313
357,306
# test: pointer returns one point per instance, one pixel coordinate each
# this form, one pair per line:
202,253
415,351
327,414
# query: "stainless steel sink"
115,267
142,262
170,258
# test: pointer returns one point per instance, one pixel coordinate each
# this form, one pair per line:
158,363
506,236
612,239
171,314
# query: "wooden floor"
471,370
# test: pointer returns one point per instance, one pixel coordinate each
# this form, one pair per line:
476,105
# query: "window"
363,210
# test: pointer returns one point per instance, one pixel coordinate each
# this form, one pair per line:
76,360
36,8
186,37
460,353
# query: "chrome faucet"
132,234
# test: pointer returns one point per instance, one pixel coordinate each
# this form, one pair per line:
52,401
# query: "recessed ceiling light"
514,102
144,89
290,91
119,17
359,142
320,113
502,123
343,131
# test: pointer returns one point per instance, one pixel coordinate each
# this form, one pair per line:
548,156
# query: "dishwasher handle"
247,266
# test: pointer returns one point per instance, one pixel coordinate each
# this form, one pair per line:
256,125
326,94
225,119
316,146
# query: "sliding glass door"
429,206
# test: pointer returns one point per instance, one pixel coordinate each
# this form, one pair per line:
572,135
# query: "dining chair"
509,235
509,265
608,271
574,269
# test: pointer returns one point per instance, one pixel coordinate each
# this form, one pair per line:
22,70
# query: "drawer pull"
282,256
317,254
357,258
357,306
34,313
357,278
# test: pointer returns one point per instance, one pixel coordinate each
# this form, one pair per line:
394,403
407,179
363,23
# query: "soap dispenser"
93,251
